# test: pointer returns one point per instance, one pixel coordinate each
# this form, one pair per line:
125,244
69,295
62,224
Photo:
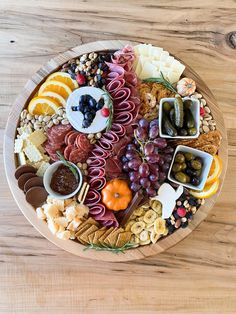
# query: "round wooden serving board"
29,212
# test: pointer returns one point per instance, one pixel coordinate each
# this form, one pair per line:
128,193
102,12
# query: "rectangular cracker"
103,237
98,235
89,221
82,229
84,236
123,238
113,236
106,240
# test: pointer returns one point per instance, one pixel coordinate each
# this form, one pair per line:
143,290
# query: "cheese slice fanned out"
150,61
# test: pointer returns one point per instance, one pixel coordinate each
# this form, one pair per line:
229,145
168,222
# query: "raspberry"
81,80
105,112
181,211
202,112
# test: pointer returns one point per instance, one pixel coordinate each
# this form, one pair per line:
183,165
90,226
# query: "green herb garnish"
110,107
67,164
112,249
162,81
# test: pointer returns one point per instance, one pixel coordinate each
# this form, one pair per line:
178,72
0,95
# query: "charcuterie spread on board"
117,149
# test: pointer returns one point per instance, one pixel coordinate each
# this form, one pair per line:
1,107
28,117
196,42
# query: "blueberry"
175,215
189,215
86,124
88,116
92,103
192,202
100,103
171,228
195,181
124,159
75,108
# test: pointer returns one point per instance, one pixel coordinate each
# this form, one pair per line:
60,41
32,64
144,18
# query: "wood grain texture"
196,276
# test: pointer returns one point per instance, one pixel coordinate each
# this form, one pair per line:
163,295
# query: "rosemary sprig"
67,164
162,80
112,249
111,109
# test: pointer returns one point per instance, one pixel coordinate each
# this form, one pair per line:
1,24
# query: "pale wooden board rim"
28,211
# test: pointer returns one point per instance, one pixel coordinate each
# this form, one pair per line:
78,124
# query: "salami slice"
96,172
83,142
93,197
105,144
125,118
99,152
114,68
118,129
97,210
67,151
78,156
97,183
67,135
111,137
121,95
71,138
115,85
96,162
125,106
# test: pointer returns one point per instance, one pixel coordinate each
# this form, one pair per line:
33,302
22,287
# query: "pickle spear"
179,111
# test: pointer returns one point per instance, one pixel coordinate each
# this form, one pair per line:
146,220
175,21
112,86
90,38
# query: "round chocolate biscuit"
24,178
36,196
35,181
24,169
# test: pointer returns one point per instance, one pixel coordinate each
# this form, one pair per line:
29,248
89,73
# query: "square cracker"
103,237
98,235
106,240
113,236
123,238
84,236
90,221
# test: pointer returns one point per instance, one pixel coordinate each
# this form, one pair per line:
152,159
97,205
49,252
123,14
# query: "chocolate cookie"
36,196
35,181
24,178
24,169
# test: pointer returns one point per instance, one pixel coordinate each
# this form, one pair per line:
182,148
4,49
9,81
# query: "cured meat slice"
96,162
98,209
125,106
113,168
67,135
67,151
121,95
59,132
119,147
93,197
97,183
131,78
108,215
115,84
78,156
71,138
83,142
125,118
105,144
96,172
99,152
118,129
115,68
111,137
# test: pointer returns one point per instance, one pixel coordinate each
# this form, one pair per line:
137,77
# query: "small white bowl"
195,109
207,160
48,176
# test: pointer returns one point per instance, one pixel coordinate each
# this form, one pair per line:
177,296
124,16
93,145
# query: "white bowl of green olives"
179,118
190,167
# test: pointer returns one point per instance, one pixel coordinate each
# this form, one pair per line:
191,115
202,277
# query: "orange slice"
215,171
58,98
56,87
43,105
64,78
208,190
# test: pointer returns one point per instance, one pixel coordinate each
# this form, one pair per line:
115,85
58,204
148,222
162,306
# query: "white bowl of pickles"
190,167
179,118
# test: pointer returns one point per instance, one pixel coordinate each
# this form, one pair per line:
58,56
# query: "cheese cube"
52,226
42,168
64,235
37,138
32,153
18,145
21,158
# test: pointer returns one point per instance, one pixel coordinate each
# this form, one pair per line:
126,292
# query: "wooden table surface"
196,276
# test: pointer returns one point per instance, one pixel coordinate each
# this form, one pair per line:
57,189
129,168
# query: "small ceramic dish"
195,109
207,160
48,176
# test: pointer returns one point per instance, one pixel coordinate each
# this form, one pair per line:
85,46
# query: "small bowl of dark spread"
60,182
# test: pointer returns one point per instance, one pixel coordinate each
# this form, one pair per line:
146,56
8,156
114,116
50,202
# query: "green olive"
183,132
192,131
187,103
188,156
179,158
176,167
198,172
182,177
196,165
183,166
166,106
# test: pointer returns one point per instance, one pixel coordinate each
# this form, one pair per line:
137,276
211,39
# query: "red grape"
154,169
153,131
143,123
151,192
155,185
135,187
154,177
145,182
162,176
160,142
134,176
149,148
141,133
134,163
144,170
154,122
167,157
131,147
153,158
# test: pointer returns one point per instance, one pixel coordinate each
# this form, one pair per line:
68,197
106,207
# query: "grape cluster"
147,159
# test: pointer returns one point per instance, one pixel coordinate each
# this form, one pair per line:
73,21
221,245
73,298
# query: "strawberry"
181,211
105,112
81,80
202,112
